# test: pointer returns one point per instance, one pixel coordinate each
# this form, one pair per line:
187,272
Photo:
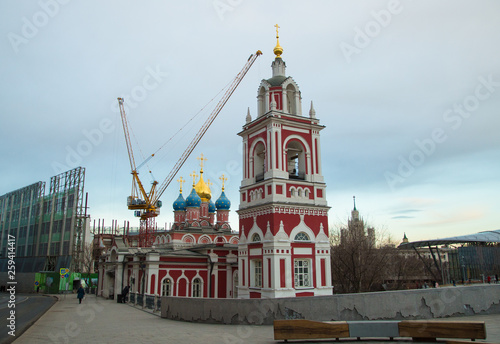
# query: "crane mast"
147,205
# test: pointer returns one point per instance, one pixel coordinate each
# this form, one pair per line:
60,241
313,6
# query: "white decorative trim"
184,239
282,209
257,133
255,230
301,139
304,131
243,238
302,250
281,235
269,235
234,240
204,236
302,227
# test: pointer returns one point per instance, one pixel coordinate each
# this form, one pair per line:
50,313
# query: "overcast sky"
409,92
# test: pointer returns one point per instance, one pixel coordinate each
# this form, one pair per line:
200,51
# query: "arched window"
296,160
299,192
196,287
301,236
292,192
259,161
256,238
291,99
261,100
166,287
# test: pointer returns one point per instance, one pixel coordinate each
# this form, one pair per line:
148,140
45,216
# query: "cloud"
457,216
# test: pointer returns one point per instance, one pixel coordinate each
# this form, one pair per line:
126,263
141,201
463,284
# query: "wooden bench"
425,329
418,330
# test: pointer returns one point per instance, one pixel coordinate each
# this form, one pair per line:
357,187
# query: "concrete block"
365,329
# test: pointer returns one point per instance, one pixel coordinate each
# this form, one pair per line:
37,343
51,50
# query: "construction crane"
146,205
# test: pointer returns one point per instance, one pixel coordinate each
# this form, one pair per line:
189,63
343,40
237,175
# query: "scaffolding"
49,229
74,181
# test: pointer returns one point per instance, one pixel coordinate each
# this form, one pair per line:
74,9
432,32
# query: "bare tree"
88,260
406,270
359,261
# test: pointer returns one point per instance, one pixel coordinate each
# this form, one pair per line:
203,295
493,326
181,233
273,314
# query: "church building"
282,248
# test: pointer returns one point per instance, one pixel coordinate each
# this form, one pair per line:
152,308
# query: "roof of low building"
481,237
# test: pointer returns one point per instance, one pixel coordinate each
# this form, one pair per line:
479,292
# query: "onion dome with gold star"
211,207
223,202
201,187
193,200
180,202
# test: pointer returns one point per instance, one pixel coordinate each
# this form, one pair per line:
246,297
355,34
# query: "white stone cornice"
257,132
287,127
283,209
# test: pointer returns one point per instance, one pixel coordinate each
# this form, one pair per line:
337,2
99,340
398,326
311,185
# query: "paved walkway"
98,320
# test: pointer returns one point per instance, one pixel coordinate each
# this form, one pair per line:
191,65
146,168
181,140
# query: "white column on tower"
273,147
245,158
268,149
309,170
266,101
298,103
318,156
280,147
285,100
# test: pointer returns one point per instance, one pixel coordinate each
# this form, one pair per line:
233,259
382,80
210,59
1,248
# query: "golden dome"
278,50
202,189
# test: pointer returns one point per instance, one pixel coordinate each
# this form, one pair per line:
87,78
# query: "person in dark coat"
124,293
80,294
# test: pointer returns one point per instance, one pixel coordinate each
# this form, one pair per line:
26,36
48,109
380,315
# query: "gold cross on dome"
277,27
181,181
202,159
209,183
194,175
223,177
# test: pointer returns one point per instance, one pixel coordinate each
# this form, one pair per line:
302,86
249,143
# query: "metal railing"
139,299
158,304
300,176
150,302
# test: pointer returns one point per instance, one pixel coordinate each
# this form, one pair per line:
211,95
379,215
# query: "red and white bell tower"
284,249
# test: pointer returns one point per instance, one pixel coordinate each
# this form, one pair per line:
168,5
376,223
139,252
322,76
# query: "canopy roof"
481,237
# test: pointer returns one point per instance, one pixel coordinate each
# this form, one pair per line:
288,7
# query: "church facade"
282,247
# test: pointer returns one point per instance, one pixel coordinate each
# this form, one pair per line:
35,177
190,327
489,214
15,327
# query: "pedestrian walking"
80,294
124,293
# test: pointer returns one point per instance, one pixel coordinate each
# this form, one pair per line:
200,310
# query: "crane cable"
236,81
146,160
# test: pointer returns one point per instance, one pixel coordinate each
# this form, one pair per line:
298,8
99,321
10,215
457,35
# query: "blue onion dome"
223,202
211,207
180,203
193,200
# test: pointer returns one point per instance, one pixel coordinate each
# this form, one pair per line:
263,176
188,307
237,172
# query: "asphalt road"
29,307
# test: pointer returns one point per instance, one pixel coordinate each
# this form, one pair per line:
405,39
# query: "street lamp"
463,269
